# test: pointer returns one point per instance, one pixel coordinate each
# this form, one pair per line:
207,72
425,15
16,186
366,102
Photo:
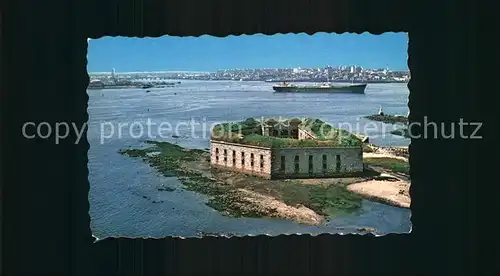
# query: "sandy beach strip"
383,155
269,204
394,193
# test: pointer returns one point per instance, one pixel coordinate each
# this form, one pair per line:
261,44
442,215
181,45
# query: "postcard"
248,135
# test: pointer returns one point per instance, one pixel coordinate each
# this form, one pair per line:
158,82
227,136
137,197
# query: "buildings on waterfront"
290,150
328,73
339,74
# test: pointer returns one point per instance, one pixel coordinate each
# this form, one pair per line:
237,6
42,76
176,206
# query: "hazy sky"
207,53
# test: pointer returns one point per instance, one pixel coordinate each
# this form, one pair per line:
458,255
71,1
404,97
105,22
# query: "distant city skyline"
209,54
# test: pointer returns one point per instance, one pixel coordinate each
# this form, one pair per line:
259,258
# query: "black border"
45,220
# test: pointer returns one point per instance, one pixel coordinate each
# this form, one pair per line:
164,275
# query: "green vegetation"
393,164
324,131
249,132
330,198
169,161
388,119
168,158
368,148
324,199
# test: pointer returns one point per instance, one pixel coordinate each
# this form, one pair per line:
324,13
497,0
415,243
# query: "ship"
323,88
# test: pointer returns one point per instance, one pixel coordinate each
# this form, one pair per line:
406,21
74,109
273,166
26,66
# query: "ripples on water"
122,189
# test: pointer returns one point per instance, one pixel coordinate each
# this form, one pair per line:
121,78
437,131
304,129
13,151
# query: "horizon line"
136,72
188,71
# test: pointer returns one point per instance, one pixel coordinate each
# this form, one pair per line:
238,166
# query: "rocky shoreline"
236,194
388,119
401,132
389,151
307,201
392,119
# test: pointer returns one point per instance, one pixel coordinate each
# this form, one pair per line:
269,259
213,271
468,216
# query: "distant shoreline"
278,81
340,81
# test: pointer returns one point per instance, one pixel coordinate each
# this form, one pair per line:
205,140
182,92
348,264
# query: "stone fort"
289,149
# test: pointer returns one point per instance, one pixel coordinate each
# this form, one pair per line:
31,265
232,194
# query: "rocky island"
388,119
305,200
392,119
401,132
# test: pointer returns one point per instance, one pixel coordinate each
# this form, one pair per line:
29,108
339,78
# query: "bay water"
124,196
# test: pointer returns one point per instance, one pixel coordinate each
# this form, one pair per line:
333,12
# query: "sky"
208,53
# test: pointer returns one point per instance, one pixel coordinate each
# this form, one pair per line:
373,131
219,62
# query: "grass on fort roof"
249,132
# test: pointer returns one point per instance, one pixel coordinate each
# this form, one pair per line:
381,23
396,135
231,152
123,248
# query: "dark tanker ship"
323,88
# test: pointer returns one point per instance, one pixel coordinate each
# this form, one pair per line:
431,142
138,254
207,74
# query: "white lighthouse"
380,112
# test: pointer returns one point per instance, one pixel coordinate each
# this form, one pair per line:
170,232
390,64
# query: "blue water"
123,194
